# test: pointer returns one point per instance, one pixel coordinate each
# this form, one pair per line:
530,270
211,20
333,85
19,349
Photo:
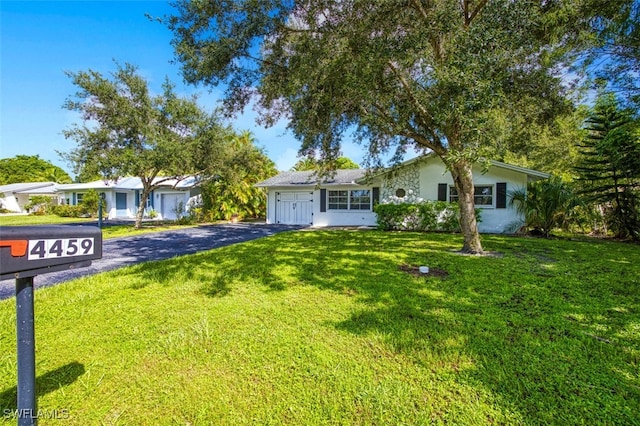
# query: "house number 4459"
65,247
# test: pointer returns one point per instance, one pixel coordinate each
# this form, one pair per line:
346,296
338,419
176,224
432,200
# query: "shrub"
38,205
68,211
420,216
90,202
545,205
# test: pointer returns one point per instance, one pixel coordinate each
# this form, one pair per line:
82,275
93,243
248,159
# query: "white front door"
294,208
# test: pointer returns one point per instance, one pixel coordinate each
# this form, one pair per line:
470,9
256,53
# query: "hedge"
421,216
68,211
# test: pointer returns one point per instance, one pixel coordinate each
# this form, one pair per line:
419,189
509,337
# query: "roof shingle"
309,178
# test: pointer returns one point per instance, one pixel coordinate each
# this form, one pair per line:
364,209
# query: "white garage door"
294,208
171,203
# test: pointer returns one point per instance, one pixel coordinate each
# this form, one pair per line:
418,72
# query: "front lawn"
327,327
21,220
108,230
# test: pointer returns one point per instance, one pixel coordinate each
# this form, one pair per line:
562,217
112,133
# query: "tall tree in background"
311,163
30,168
232,191
610,169
550,147
615,62
126,131
445,75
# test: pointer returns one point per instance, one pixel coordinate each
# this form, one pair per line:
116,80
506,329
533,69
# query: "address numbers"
64,247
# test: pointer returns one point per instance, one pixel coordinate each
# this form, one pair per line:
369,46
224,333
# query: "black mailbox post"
27,251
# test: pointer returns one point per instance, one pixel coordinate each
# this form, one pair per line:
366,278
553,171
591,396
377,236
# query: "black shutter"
442,191
501,195
376,196
323,200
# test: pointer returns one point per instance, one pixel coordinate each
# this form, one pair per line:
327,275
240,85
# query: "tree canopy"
455,77
614,63
127,131
311,163
30,168
551,147
232,192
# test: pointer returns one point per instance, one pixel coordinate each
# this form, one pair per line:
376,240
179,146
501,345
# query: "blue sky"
39,40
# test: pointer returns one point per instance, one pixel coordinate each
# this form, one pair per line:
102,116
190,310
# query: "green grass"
19,220
116,231
323,327
108,231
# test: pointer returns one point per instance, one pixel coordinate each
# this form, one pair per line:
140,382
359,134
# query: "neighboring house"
15,196
347,198
122,197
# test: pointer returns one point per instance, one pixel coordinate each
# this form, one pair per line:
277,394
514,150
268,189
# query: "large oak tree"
128,131
450,76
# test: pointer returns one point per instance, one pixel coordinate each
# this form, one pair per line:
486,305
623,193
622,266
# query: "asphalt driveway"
119,252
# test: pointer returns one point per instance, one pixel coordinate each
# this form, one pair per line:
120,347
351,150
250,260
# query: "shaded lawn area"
327,327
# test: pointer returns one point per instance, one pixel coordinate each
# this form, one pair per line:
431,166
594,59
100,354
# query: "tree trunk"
463,180
143,203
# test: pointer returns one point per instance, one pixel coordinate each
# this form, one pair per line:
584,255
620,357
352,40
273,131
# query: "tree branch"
420,9
469,18
407,130
422,112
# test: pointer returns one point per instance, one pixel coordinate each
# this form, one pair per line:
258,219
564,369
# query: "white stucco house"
347,198
122,197
15,196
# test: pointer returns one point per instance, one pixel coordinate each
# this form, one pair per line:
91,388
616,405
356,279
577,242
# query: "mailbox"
27,251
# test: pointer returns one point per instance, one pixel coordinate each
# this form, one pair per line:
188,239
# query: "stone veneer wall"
407,178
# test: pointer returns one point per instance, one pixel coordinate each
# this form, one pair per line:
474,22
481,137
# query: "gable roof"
532,174
361,176
310,178
528,172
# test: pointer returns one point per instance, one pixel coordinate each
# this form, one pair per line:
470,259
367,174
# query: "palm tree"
545,204
56,174
233,192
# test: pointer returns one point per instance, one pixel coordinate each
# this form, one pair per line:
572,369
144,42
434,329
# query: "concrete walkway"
119,252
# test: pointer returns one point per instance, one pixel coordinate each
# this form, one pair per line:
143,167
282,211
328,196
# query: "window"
357,199
400,193
453,194
483,195
79,197
360,200
338,200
